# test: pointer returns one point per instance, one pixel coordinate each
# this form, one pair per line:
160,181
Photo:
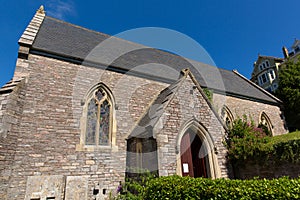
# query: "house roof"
270,57
63,40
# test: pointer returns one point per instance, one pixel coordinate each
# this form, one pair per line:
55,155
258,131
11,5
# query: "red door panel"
186,156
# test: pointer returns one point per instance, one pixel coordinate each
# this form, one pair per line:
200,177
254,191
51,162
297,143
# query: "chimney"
285,52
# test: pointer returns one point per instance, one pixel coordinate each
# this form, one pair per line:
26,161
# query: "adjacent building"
266,69
265,72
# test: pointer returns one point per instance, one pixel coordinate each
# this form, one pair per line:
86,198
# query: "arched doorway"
194,155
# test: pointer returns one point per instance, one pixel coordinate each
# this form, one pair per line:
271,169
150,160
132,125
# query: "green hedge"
281,148
175,187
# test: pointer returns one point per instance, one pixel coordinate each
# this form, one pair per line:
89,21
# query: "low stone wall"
266,169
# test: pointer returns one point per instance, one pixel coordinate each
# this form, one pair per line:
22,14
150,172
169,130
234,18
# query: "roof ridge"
265,56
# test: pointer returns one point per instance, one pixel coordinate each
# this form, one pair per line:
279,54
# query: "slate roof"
270,57
67,41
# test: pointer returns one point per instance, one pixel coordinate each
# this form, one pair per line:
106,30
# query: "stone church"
85,109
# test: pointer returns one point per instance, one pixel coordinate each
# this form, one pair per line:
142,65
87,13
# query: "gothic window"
265,123
227,117
98,119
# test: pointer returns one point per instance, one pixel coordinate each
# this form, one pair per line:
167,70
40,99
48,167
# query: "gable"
185,99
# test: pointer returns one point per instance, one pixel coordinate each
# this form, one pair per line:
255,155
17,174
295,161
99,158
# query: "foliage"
264,129
284,138
283,147
208,93
244,139
287,151
175,187
289,92
134,187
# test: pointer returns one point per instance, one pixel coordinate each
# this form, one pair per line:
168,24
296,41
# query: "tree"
289,92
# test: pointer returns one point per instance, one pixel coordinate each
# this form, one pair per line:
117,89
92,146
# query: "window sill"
91,148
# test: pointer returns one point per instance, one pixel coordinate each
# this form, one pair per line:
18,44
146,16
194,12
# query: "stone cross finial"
41,10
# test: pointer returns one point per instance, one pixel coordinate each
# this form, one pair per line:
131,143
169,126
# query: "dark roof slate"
62,39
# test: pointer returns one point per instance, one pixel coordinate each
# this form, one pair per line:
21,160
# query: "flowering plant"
244,139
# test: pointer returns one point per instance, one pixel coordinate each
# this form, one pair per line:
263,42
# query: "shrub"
244,139
175,187
134,187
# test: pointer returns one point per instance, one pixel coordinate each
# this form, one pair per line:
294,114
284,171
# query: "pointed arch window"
98,118
227,117
265,123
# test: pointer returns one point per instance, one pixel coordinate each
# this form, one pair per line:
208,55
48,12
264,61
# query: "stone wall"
253,110
188,106
11,103
44,126
266,169
44,142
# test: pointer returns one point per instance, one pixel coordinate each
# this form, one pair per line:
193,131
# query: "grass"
283,138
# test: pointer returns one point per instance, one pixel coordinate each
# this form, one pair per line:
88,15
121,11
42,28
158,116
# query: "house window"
98,119
272,74
264,78
260,80
267,63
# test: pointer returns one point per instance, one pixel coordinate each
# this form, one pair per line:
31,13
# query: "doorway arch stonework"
206,152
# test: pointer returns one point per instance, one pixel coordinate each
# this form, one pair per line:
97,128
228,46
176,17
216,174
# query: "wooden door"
186,156
193,162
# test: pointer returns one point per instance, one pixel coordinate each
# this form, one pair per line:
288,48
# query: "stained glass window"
91,123
98,119
104,123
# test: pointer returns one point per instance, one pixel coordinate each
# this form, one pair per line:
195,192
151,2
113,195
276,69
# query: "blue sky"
233,32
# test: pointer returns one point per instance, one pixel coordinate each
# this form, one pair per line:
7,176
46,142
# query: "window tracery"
98,119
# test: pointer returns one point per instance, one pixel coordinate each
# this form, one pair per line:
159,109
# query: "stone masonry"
42,150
